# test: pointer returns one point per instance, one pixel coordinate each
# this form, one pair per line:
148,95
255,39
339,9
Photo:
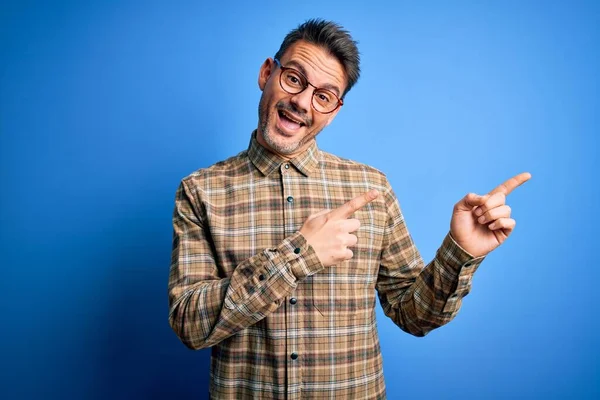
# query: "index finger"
354,205
512,183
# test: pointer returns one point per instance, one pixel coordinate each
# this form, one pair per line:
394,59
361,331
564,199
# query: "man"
278,252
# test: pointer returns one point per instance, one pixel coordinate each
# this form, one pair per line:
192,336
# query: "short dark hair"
332,37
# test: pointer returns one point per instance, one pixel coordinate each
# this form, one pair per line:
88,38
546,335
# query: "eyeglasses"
294,82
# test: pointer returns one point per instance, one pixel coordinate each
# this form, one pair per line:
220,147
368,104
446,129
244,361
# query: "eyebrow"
328,86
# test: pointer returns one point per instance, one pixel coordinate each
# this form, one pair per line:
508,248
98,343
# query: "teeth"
290,118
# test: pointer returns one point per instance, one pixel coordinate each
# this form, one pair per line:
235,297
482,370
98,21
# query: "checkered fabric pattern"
244,281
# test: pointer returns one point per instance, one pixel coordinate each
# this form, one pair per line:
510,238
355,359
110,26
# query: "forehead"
321,68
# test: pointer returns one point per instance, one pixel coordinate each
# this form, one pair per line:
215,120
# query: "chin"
281,142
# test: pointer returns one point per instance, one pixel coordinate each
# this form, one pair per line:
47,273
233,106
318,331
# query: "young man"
279,251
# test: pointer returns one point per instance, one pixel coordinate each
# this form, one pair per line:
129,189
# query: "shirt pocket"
343,292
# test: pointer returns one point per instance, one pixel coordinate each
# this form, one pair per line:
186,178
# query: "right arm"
205,307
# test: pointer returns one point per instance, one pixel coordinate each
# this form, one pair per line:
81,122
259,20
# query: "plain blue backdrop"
105,106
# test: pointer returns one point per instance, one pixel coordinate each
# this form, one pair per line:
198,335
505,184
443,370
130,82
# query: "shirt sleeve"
206,308
420,298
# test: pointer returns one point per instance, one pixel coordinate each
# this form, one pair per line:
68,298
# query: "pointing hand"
482,223
329,232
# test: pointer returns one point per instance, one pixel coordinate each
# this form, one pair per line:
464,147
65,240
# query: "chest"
245,217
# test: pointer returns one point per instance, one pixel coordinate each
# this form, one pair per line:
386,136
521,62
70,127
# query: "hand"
329,232
481,223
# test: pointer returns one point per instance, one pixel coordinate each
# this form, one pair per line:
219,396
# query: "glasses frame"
340,102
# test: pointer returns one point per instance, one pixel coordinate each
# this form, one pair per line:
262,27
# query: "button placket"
293,340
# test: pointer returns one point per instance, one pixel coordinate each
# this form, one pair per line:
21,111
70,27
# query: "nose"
303,100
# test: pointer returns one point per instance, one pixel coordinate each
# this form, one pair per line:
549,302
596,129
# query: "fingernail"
481,219
478,212
492,226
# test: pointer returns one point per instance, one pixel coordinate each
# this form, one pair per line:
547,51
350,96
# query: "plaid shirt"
244,281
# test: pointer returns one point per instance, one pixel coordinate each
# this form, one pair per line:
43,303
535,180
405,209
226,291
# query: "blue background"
105,106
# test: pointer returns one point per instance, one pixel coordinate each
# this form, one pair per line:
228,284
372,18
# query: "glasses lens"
292,81
324,100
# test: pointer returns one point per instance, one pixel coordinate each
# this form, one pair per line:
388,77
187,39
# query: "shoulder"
333,162
219,173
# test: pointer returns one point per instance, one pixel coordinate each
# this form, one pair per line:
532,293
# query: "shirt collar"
267,162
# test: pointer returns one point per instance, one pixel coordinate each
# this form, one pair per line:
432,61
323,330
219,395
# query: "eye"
293,79
325,97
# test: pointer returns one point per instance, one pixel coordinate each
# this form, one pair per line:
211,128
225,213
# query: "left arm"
419,299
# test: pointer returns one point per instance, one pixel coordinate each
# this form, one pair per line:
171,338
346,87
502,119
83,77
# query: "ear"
265,73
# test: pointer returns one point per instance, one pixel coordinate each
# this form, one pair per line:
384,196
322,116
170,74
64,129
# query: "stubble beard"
265,122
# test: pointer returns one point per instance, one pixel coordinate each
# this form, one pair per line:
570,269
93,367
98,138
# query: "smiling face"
288,122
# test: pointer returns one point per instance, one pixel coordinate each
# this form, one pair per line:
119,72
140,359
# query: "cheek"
319,122
271,96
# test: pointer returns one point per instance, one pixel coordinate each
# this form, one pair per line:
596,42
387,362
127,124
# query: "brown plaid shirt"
244,281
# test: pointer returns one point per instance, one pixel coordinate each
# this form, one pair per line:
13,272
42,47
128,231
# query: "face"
287,122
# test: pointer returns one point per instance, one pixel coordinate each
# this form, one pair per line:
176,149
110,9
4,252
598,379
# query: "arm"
206,308
420,299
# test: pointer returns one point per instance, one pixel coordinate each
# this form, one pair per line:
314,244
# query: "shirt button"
293,300
261,277
297,250
286,166
290,199
294,356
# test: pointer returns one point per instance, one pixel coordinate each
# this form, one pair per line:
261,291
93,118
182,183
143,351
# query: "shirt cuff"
456,258
457,262
298,257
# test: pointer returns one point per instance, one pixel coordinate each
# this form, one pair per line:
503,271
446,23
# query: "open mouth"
289,121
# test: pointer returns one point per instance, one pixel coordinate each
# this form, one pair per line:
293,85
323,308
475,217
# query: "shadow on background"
103,112
139,355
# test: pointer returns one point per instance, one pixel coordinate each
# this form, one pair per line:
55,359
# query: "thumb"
318,214
470,201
